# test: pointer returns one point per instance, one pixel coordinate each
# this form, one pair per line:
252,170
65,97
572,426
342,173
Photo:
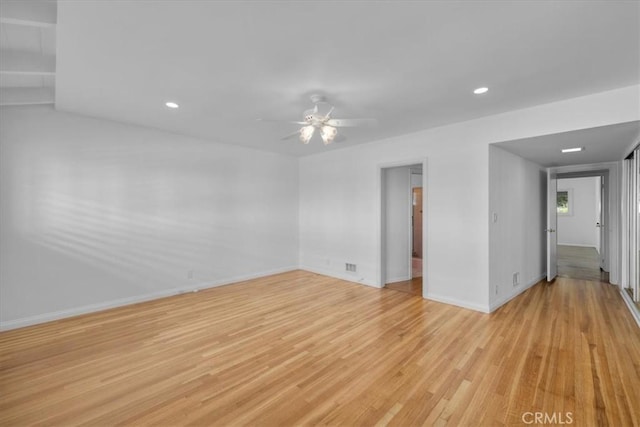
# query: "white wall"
340,194
95,213
416,180
397,223
579,227
517,241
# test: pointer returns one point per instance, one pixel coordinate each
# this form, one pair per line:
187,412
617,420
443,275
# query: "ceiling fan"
315,119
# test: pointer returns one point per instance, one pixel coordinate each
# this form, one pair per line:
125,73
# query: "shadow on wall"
94,211
134,228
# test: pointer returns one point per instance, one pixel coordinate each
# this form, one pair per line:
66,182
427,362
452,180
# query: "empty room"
287,213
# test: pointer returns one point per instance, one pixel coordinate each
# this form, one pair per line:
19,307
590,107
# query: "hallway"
579,262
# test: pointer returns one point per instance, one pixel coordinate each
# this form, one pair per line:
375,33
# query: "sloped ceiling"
411,65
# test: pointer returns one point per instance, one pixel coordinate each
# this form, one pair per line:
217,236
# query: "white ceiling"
601,144
412,65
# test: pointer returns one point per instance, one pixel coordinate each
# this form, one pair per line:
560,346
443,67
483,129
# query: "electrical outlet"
496,289
516,279
350,267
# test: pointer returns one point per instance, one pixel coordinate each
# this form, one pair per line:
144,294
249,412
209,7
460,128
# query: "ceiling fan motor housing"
315,98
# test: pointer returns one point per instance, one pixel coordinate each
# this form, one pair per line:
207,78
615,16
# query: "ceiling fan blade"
344,123
293,135
281,121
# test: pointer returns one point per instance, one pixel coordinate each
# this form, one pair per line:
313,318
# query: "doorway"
416,234
581,205
402,229
578,262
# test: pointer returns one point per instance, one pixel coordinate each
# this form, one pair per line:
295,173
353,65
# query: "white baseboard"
493,306
398,279
457,302
631,306
362,281
91,308
349,277
578,245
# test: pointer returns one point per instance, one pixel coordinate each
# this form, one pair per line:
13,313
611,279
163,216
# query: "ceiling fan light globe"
328,133
306,133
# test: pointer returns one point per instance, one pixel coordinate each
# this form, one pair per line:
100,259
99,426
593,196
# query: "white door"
552,221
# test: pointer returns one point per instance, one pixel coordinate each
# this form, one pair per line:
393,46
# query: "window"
565,202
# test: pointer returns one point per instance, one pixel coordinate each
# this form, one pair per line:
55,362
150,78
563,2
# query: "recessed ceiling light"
171,104
481,90
572,150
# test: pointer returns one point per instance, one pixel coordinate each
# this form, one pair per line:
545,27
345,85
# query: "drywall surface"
340,194
397,223
517,220
578,228
340,213
96,213
416,180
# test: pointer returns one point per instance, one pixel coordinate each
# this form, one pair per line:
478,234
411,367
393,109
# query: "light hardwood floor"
302,349
579,262
413,286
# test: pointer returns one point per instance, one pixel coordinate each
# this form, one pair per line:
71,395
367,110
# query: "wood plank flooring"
579,262
304,349
413,286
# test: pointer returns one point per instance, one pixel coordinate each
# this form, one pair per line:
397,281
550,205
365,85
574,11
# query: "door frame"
381,244
605,211
613,188
413,221
552,225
